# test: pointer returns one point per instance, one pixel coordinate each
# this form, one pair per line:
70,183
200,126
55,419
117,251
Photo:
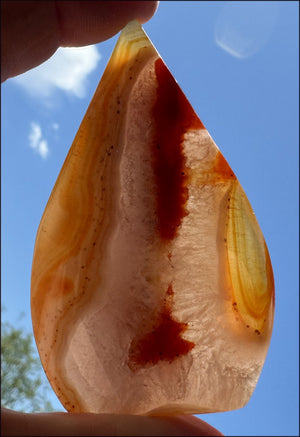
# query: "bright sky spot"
36,140
66,70
55,126
243,28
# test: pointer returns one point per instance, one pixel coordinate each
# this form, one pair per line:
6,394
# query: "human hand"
31,33
71,424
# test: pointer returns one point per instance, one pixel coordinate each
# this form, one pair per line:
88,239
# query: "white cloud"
35,135
66,70
36,140
43,149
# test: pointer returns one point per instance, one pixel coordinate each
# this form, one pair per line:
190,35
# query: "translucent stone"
152,287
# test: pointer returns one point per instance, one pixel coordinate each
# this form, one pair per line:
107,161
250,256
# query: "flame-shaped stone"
152,287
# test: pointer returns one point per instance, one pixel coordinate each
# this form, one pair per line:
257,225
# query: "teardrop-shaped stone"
152,287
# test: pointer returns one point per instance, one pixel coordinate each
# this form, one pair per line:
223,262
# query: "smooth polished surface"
152,287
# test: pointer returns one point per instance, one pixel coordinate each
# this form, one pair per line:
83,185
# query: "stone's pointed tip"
133,24
132,30
132,39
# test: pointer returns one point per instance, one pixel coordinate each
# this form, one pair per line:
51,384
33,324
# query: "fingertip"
34,30
201,427
90,22
148,10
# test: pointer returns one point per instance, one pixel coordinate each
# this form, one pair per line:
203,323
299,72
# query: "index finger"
31,31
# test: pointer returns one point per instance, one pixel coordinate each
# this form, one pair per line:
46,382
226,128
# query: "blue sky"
238,64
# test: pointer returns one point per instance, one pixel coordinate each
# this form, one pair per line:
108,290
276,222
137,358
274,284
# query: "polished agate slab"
152,286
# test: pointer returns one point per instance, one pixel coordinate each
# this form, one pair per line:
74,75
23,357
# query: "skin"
31,31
